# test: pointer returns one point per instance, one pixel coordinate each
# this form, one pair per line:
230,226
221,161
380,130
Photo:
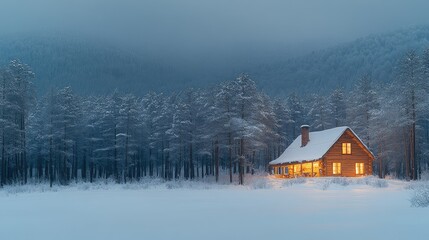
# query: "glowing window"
316,168
347,148
297,168
336,168
359,168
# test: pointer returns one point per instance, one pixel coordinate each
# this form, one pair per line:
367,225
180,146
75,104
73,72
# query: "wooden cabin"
332,152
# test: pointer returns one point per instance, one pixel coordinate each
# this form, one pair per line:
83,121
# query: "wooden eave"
297,162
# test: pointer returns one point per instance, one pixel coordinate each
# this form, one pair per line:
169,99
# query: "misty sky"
181,27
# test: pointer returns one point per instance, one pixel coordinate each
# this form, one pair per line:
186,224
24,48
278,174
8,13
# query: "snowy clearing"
267,208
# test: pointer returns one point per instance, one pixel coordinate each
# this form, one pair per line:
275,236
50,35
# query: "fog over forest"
198,42
187,27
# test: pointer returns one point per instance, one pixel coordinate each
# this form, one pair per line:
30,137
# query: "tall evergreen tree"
413,89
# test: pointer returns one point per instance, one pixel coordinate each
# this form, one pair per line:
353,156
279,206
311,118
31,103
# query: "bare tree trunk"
3,155
3,161
413,138
84,166
115,156
50,170
406,155
241,164
230,156
167,165
380,160
126,158
216,155
191,164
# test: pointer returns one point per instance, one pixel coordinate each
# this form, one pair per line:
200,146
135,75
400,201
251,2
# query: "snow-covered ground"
268,208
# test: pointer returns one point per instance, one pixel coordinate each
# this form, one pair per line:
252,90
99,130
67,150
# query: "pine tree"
337,105
296,116
362,103
246,101
319,112
413,89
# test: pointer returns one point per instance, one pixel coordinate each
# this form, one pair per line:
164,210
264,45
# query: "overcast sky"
180,27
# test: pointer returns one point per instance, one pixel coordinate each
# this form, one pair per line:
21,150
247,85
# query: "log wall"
348,162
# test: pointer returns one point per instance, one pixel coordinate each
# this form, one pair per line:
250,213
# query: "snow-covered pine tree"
362,102
338,108
209,133
36,142
267,137
245,124
413,89
279,108
156,121
296,116
319,112
16,101
423,133
128,123
225,105
96,145
66,122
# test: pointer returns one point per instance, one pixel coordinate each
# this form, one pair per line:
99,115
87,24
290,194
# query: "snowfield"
267,208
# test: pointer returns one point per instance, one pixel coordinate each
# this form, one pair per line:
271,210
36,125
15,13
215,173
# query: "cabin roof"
319,144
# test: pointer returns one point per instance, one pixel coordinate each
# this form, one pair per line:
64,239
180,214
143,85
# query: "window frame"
336,168
360,168
346,148
297,168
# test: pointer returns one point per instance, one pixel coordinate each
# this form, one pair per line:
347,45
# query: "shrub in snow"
379,183
325,185
174,184
420,196
370,181
29,188
424,176
293,181
260,183
341,181
84,186
326,182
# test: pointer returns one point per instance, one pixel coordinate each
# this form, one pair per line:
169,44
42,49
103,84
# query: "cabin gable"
348,162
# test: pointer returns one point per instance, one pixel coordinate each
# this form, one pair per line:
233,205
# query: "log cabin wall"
348,162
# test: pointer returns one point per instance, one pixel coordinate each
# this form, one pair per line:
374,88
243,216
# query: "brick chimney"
305,135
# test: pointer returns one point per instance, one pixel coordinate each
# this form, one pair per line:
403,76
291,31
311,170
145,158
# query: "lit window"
315,168
359,168
347,148
336,168
297,168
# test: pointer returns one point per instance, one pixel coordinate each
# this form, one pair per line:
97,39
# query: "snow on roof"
320,142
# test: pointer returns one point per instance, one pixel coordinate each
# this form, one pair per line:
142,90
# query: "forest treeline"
231,129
